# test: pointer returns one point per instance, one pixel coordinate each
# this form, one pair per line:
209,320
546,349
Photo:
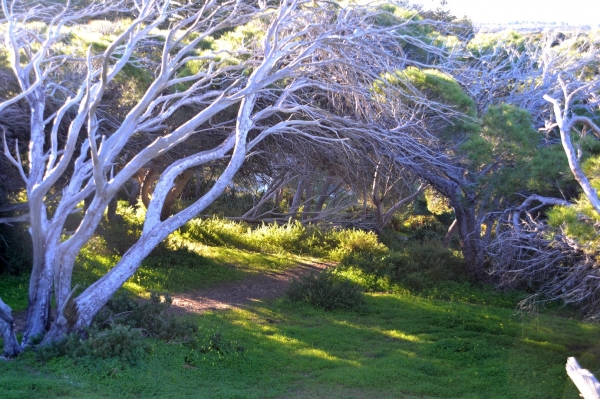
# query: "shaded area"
405,347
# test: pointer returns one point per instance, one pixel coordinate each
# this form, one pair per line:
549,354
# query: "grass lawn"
404,347
452,340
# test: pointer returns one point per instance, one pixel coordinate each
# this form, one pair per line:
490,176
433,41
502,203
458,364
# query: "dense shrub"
354,242
148,317
328,291
417,266
423,227
271,238
118,342
118,331
292,237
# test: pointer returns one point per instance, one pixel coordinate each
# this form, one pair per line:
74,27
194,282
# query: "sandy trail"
233,294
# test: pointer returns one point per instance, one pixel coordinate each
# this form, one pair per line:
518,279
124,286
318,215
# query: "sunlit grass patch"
405,347
249,261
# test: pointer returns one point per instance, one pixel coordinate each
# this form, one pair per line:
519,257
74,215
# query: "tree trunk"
297,198
325,193
111,210
146,186
308,203
180,183
40,286
134,193
469,232
11,345
452,231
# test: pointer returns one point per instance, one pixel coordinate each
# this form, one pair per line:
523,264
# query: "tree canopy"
320,112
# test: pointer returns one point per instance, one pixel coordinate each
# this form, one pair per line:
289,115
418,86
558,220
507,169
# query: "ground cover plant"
405,346
422,329
446,337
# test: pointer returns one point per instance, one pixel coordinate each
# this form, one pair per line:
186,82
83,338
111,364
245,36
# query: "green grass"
425,338
405,347
172,271
13,290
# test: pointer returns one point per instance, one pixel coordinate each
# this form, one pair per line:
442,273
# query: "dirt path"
237,293
227,295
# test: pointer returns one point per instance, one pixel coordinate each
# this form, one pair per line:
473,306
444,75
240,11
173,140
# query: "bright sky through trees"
574,12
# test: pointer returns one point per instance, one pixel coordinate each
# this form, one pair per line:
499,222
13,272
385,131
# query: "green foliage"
118,332
328,291
510,152
437,203
119,342
352,241
495,43
148,316
270,238
405,346
212,347
292,237
442,89
419,265
423,227
580,221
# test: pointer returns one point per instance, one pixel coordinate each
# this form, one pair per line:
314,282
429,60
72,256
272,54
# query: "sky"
574,12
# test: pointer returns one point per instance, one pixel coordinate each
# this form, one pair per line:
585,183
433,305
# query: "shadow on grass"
405,347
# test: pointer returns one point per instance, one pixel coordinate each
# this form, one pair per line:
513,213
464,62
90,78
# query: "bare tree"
335,52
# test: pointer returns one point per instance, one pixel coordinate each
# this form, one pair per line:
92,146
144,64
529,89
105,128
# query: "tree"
235,98
548,243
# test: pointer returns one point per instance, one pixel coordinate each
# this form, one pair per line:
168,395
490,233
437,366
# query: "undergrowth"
327,290
405,346
118,331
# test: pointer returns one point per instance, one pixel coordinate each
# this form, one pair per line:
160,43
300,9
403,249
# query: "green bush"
119,329
148,317
328,291
424,227
349,242
417,266
292,237
119,342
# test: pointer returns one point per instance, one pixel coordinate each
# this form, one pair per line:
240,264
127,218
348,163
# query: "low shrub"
417,266
328,291
118,342
423,227
119,329
148,317
353,242
292,237
214,346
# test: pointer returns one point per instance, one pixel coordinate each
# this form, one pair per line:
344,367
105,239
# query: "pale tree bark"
11,345
566,123
386,189
303,49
